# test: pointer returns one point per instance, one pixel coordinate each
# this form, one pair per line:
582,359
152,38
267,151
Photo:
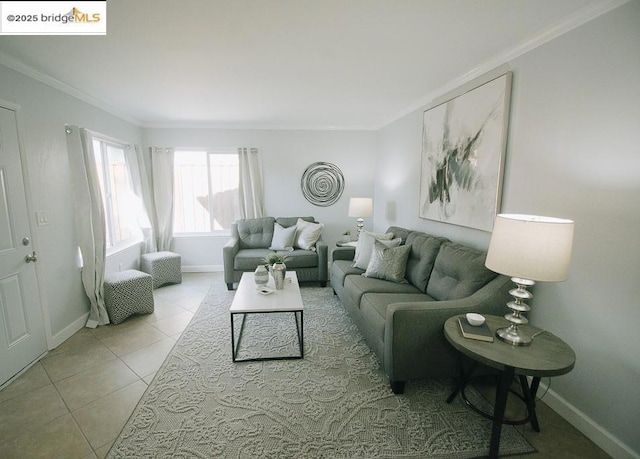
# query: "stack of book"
480,332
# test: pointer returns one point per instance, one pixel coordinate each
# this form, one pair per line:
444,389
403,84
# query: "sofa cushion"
388,263
255,233
299,258
340,269
248,259
374,307
424,250
356,286
458,272
282,237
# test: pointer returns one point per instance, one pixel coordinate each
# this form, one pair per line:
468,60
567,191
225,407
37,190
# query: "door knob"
31,257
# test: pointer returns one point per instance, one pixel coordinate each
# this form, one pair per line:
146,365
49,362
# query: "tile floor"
74,402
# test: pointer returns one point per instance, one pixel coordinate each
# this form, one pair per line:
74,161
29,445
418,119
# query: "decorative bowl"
475,319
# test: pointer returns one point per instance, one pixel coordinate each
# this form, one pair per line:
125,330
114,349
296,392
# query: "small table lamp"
529,249
361,208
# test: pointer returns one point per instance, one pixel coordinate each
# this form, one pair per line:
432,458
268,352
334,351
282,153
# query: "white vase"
261,275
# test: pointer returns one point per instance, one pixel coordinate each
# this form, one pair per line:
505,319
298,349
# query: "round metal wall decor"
322,184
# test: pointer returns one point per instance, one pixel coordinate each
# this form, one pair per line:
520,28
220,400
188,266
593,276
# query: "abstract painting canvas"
463,146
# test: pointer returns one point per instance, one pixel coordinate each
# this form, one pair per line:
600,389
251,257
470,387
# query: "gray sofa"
250,242
403,322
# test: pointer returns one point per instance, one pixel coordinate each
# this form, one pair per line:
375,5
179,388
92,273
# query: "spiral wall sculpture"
322,184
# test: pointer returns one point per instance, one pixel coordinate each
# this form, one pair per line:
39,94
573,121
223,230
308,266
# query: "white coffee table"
249,301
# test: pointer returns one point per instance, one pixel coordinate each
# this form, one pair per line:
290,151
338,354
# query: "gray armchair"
250,242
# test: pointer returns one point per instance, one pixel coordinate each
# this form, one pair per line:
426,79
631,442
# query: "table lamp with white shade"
529,249
360,208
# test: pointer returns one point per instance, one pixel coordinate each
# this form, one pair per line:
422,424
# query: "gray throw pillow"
388,263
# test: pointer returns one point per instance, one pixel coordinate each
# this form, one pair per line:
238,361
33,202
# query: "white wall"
574,152
285,156
44,111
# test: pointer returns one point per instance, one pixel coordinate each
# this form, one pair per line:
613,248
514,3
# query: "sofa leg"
230,286
323,284
397,387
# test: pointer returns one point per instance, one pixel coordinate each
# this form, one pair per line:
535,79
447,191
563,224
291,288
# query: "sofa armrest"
323,260
343,253
229,251
414,331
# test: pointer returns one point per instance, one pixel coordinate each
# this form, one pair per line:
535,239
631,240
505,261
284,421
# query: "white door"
22,335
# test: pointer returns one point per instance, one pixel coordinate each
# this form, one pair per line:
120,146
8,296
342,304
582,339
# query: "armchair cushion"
255,233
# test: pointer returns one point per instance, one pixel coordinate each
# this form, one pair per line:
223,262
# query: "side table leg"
529,397
502,392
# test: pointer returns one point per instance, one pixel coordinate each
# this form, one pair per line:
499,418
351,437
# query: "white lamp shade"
360,207
531,247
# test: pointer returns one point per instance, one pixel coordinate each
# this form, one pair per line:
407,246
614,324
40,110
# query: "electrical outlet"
120,265
42,219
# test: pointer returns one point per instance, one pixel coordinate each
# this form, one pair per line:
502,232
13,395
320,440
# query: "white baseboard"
203,269
596,433
68,331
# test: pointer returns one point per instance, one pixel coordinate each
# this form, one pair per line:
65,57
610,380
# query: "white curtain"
250,192
162,179
90,220
140,182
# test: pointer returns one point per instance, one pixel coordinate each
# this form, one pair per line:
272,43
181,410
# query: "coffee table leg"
506,376
234,347
300,330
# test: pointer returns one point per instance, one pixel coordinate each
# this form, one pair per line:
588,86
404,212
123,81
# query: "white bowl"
475,319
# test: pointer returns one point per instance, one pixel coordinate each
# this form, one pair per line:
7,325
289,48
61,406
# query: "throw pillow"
388,263
307,234
365,246
282,237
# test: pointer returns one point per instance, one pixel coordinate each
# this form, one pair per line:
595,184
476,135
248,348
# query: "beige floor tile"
174,324
147,379
133,339
164,309
32,379
30,411
81,338
90,385
102,452
59,438
131,323
148,359
76,360
102,420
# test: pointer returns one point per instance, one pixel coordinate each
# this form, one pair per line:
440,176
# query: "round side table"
547,355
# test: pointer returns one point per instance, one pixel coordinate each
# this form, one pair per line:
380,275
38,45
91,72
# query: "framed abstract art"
463,147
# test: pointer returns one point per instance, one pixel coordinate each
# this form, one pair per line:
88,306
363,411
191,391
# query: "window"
121,205
205,191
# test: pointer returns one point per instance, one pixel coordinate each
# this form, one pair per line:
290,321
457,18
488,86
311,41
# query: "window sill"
212,235
118,249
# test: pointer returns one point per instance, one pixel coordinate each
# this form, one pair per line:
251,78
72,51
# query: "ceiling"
316,64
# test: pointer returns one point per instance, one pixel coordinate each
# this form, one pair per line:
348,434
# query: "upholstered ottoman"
164,267
126,293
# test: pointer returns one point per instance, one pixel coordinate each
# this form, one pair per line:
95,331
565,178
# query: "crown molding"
252,126
580,17
20,67
573,21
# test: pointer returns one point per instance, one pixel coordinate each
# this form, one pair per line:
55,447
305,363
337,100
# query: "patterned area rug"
335,403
